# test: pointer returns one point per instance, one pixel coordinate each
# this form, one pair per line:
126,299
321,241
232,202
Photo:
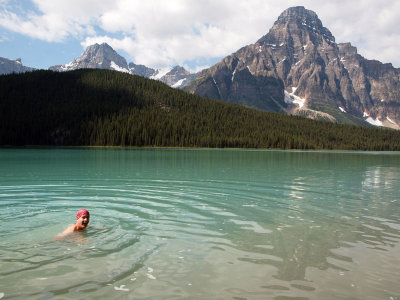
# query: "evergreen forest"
108,108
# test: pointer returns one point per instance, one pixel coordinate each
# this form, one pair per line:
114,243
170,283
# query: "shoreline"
192,148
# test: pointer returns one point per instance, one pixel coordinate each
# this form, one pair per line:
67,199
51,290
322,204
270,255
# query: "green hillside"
107,108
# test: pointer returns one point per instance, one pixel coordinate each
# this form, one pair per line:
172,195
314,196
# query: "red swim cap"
82,212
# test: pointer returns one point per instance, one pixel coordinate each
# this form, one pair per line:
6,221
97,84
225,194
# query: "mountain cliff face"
298,68
8,66
376,84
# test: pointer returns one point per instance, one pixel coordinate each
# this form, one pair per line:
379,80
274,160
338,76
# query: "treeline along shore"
108,108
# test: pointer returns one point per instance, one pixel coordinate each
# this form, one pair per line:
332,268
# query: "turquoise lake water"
200,224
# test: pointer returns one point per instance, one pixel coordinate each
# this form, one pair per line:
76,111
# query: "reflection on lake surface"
200,224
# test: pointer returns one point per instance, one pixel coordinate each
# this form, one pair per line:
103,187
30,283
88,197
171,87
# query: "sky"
191,33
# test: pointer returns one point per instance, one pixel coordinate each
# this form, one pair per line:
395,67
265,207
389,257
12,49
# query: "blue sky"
192,33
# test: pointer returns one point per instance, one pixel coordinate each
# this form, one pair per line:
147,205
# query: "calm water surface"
200,224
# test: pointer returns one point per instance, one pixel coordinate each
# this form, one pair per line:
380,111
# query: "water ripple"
196,225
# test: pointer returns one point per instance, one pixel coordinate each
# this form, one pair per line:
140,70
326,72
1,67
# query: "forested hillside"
108,108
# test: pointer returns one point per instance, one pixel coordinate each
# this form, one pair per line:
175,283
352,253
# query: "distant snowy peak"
96,57
176,71
105,57
8,66
177,77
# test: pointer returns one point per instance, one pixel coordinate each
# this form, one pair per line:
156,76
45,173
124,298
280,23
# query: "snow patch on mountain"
161,73
291,98
375,122
233,75
67,67
179,83
115,67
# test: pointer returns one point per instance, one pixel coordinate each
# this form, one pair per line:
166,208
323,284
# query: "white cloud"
52,24
159,33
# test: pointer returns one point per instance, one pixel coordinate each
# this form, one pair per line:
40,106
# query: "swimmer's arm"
98,228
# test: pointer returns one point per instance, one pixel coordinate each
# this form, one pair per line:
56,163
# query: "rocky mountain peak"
102,56
99,50
297,68
299,15
178,70
97,56
102,51
300,25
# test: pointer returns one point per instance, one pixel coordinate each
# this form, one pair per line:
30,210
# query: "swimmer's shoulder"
70,229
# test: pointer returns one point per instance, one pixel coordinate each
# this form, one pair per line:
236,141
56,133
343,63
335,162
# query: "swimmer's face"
82,222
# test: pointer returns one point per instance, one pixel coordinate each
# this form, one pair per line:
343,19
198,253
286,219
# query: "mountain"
298,68
96,57
8,66
105,57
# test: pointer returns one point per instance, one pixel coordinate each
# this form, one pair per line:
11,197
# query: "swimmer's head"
82,212
82,219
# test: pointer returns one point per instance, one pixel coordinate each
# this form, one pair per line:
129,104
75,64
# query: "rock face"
141,70
105,57
8,66
376,84
298,68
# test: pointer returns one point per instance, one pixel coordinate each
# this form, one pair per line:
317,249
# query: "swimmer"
82,222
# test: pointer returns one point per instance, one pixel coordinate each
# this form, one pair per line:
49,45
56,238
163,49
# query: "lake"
200,224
